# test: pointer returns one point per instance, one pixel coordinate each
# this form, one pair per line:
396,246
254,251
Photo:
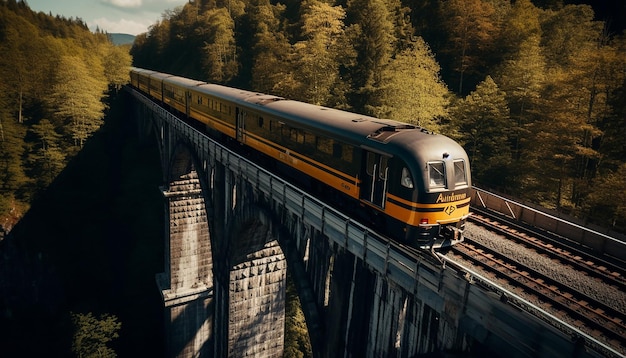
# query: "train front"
442,183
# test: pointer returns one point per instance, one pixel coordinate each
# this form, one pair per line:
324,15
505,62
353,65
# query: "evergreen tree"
522,77
220,50
273,62
414,91
565,30
607,202
47,159
92,334
520,24
374,43
12,175
484,128
471,28
317,68
20,63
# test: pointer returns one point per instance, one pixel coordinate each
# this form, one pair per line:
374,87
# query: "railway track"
601,319
559,249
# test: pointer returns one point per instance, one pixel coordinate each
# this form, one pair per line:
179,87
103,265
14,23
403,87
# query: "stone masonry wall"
257,299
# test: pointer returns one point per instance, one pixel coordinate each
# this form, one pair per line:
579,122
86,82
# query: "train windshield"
459,172
437,174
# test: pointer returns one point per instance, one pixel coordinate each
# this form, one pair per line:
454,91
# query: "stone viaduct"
234,232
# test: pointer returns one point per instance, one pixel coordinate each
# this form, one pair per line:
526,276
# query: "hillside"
121,39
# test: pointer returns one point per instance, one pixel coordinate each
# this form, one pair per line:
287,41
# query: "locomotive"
410,184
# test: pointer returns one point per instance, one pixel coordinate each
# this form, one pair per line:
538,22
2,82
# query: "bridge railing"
599,242
376,251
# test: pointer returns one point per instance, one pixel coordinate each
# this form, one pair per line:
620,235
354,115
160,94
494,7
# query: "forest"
55,79
534,90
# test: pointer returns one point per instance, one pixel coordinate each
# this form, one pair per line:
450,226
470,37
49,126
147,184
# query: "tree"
91,335
374,45
519,25
47,160
471,29
220,49
12,175
414,91
21,61
76,97
564,31
522,77
484,128
317,68
582,72
116,63
557,140
607,200
273,60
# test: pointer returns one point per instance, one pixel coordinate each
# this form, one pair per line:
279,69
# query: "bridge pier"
187,283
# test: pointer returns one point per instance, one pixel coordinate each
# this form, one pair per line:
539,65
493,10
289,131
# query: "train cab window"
406,180
436,174
459,172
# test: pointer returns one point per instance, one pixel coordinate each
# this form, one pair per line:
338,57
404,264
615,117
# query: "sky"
113,16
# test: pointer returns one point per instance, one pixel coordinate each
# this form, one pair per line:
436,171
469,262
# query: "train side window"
384,163
459,172
406,180
325,145
371,163
260,122
309,139
437,174
348,153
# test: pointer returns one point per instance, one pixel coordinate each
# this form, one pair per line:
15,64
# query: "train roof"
182,81
160,76
386,135
142,71
389,136
332,121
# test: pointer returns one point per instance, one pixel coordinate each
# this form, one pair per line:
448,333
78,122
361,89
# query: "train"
406,182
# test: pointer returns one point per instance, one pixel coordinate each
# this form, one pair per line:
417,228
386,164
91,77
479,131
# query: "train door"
188,97
375,175
241,122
